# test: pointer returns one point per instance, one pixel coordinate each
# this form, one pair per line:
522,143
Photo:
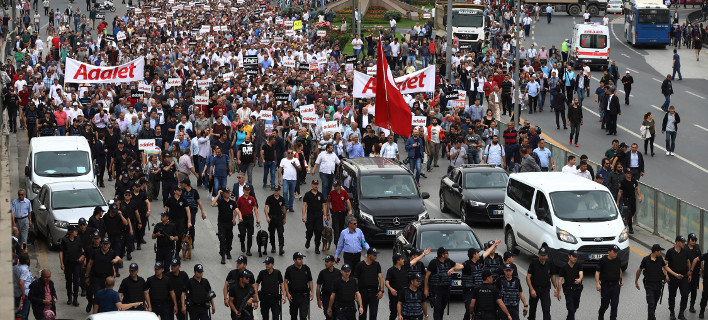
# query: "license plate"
392,232
596,256
456,282
498,212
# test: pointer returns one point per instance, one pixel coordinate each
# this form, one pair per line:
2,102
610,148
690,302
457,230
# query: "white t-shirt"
569,169
357,43
289,171
605,21
392,22
586,16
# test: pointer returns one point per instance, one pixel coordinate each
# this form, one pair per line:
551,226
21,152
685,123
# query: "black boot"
223,260
281,251
702,314
138,247
692,309
68,302
681,316
243,247
272,248
75,303
83,292
129,257
249,244
228,256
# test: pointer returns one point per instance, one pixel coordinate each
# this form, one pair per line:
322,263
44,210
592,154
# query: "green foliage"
393,14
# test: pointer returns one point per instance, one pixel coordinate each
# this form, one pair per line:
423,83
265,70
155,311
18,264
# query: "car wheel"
511,241
50,240
443,207
463,212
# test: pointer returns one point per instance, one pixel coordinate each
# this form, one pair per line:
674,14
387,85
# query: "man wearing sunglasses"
351,242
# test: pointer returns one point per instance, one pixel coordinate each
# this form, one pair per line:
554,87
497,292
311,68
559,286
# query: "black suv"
457,237
475,192
384,196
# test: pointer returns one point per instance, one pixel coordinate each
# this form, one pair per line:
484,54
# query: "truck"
571,7
468,23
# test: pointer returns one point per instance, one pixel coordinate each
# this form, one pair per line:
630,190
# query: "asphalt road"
681,175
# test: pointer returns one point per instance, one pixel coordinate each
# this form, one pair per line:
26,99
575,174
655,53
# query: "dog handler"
275,215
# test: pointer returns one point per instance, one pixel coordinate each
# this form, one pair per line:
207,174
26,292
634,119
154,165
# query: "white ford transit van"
562,212
57,159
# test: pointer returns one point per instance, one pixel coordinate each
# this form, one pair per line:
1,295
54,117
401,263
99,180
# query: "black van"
384,196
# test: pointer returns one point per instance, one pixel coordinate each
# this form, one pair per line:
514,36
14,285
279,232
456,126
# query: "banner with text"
419,81
77,72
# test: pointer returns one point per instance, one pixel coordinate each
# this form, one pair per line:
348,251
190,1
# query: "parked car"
62,204
474,192
614,6
456,236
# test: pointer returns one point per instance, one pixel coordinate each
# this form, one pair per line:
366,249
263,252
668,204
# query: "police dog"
326,239
186,247
262,241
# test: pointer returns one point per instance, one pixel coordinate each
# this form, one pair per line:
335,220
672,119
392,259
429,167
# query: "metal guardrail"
660,213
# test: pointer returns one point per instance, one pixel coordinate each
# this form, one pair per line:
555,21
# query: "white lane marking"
631,70
657,108
693,94
693,164
596,79
612,27
655,79
701,127
620,90
625,55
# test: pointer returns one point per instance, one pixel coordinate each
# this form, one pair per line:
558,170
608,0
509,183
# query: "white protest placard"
309,118
426,15
224,28
278,39
210,38
289,33
461,94
201,100
322,60
205,29
228,75
142,87
152,19
220,7
371,71
138,11
419,121
178,7
120,36
278,21
321,33
146,144
289,63
240,1
265,41
155,10
307,109
288,23
266,115
314,66
460,104
162,22
170,1
234,9
268,129
203,83
349,67
330,126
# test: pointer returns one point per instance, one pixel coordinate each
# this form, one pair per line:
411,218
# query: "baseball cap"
227,190
175,262
72,228
623,145
486,274
315,181
96,209
113,207
543,251
241,259
416,252
489,243
615,248
508,255
680,238
346,267
82,221
133,267
242,273
573,253
246,187
509,266
329,258
269,260
692,236
298,255
96,235
199,268
441,251
276,188
396,257
105,240
121,141
158,265
165,214
416,276
373,251
656,247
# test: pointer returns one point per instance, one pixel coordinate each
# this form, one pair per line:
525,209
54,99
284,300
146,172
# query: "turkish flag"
391,110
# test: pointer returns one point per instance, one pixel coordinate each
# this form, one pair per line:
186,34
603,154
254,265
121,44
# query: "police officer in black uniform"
226,220
194,202
324,284
509,258
677,260
235,274
608,279
539,278
396,280
486,299
275,215
270,295
129,209
166,235
492,260
694,254
178,208
142,203
511,292
313,210
85,280
71,258
242,298
438,281
197,296
86,237
298,287
168,171
472,273
132,288
100,266
159,296
178,280
414,265
411,301
116,224
370,282
655,272
345,292
570,278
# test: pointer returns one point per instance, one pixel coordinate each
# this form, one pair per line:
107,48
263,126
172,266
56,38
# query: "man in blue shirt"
532,89
676,66
569,82
107,299
415,145
220,170
21,211
351,242
544,156
355,148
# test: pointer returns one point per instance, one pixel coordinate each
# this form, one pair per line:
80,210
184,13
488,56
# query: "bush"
341,38
393,14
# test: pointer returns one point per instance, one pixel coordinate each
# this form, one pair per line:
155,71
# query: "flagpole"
388,110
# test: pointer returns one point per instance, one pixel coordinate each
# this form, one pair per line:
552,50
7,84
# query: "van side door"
542,222
518,212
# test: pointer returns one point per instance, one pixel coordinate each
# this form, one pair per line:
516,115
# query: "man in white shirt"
586,16
390,149
494,153
434,134
289,167
327,162
395,52
583,171
357,43
393,22
570,167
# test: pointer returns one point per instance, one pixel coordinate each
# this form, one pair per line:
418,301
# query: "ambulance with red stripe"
590,44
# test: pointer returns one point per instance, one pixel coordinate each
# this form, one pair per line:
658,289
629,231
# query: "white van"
590,44
57,159
562,212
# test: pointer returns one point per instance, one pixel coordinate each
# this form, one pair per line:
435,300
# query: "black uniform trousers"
164,255
345,312
513,311
324,296
560,114
543,295
351,259
467,298
162,310
653,294
369,302
300,304
199,313
694,289
225,232
72,274
683,288
486,315
441,296
192,233
97,283
611,122
572,300
100,171
609,297
393,306
276,225
270,304
167,186
338,218
245,231
313,226
118,246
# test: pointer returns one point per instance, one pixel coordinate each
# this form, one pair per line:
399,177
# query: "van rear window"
593,41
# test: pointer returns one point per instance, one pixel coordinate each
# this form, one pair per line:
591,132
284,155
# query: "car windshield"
69,199
450,239
477,180
388,186
584,205
62,163
468,20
